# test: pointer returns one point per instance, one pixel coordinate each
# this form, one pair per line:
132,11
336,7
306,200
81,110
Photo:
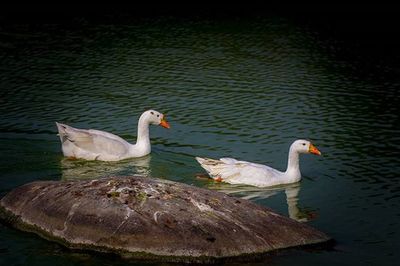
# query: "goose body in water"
241,172
91,144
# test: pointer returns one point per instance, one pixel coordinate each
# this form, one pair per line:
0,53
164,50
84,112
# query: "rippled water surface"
243,88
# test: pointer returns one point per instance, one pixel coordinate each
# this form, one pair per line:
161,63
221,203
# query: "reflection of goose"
241,172
80,169
292,198
254,193
100,145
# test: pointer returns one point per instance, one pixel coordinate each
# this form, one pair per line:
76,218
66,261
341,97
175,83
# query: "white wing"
238,172
93,141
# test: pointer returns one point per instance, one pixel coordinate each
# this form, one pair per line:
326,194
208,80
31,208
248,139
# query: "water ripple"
244,89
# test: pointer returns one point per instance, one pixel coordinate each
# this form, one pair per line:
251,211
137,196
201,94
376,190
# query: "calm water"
244,88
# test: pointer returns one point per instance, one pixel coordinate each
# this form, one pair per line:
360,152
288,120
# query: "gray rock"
148,218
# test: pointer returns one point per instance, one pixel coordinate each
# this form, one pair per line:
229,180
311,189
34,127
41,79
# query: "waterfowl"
91,144
241,172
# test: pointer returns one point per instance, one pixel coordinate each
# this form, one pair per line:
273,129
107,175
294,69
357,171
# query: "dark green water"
243,88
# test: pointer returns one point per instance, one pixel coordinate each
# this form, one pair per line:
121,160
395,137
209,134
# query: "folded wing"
93,141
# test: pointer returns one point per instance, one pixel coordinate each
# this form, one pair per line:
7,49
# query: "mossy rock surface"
151,219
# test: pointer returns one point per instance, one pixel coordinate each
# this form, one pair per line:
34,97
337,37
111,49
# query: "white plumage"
241,172
91,144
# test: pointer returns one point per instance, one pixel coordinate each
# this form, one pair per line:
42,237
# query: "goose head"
305,146
155,118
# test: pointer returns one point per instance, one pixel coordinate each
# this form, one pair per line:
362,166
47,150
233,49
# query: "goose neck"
143,131
293,168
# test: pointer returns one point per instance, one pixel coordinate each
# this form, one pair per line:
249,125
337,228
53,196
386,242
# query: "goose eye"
304,144
152,113
158,115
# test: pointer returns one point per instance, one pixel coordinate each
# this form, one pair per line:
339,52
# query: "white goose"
94,144
241,172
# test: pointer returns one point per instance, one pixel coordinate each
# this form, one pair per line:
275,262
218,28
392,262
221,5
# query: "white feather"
241,172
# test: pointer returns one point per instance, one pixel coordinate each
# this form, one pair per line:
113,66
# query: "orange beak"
164,123
313,150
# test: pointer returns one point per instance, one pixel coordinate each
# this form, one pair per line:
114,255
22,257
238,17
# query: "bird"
242,172
91,144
